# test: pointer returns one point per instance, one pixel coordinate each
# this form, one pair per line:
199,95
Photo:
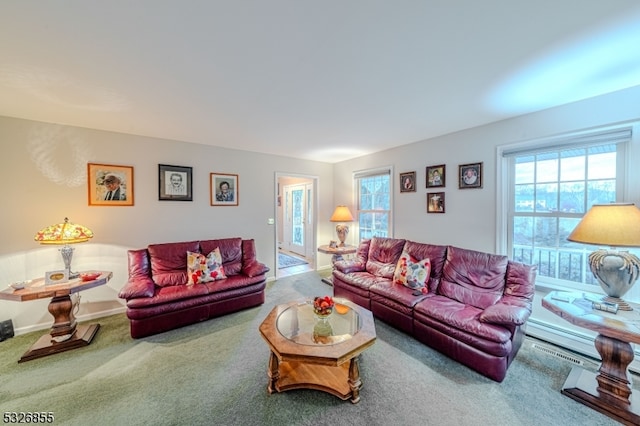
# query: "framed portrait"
435,202
224,189
110,185
408,182
436,176
470,175
175,183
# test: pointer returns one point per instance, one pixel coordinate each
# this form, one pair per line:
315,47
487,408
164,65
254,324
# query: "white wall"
470,218
43,170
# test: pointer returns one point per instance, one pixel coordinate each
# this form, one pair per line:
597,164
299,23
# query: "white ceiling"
323,80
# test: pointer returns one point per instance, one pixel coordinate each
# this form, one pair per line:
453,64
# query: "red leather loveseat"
160,298
473,309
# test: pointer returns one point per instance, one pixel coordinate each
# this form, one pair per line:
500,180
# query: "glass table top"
298,323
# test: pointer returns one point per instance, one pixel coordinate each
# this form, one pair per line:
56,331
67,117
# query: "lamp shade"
341,214
64,233
614,225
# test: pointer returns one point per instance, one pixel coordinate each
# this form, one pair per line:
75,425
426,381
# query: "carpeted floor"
215,373
286,261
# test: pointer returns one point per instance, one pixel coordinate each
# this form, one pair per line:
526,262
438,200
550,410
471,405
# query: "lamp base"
616,272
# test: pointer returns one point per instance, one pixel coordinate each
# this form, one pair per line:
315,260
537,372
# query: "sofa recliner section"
475,310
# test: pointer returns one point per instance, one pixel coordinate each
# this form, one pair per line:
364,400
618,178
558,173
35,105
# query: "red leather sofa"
475,310
158,297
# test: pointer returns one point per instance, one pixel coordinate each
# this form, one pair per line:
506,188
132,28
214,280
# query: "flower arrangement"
323,306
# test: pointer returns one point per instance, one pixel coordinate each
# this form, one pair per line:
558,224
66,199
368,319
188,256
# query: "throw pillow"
412,273
203,269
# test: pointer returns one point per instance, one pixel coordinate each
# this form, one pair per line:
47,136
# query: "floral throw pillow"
412,273
203,269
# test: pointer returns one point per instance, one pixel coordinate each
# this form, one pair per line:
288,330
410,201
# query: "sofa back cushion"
383,256
436,255
169,262
230,250
473,278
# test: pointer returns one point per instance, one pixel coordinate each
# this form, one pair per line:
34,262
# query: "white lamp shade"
614,225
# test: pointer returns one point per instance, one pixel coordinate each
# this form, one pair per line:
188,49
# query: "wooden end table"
65,334
609,391
337,253
306,353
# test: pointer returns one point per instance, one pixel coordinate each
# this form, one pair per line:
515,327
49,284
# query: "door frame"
313,180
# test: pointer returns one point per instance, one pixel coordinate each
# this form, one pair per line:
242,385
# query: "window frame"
366,173
505,185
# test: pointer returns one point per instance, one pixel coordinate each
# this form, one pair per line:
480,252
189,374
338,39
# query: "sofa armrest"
137,287
254,268
348,266
501,313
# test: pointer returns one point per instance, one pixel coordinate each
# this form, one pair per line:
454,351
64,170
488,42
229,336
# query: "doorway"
296,224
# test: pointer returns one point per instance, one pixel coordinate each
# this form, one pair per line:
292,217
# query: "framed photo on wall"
224,188
175,183
408,182
470,175
110,185
436,176
435,202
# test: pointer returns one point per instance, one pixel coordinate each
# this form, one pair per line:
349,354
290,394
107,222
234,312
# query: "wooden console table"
609,391
65,334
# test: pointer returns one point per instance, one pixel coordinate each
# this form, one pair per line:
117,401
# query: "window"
373,203
550,188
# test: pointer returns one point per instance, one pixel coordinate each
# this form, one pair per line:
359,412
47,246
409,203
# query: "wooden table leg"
65,334
608,392
354,379
274,372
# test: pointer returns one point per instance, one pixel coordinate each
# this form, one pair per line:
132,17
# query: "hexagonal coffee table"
311,353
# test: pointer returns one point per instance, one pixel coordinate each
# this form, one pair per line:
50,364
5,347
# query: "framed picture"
436,176
110,185
175,183
435,202
408,182
224,189
470,175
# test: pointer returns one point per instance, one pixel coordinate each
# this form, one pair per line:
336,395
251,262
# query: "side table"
65,334
337,253
609,391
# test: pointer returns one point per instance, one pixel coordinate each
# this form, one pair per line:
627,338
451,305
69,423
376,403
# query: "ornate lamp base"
616,271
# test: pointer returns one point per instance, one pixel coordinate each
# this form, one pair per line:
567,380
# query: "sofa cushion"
202,269
437,255
473,278
169,262
383,256
230,250
412,273
462,317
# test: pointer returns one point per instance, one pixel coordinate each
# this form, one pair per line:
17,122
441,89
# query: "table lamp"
614,225
65,233
342,214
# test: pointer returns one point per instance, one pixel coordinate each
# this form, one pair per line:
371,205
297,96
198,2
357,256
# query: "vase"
322,327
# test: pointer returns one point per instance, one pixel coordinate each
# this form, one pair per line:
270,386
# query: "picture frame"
109,185
435,176
408,182
333,244
175,183
224,189
470,175
56,277
435,202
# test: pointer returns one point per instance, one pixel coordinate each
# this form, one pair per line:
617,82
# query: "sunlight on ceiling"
604,62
